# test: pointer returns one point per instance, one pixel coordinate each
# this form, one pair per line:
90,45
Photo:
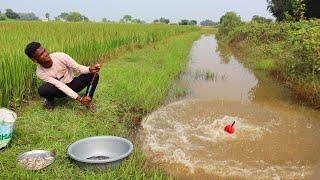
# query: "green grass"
179,92
204,74
130,86
265,64
209,75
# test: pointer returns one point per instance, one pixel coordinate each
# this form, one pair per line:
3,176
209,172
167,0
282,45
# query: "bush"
228,22
2,17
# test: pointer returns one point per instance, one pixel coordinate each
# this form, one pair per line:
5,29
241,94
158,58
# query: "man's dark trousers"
49,91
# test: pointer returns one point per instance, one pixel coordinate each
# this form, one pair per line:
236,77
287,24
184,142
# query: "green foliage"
76,17
2,17
184,22
188,22
265,64
47,15
126,19
193,22
288,10
28,16
164,20
228,22
204,74
62,16
209,75
280,7
138,21
260,19
11,14
208,22
299,9
180,92
72,17
305,37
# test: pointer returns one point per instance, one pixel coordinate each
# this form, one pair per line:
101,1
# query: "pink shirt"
61,72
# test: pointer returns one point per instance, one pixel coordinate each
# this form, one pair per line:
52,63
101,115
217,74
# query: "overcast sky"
147,10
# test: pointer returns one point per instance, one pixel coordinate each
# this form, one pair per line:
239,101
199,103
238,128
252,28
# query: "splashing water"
190,135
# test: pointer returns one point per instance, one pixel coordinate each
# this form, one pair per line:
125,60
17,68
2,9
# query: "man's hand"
95,68
85,100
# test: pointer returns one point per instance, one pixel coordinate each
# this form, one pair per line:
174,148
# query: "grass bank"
288,51
130,87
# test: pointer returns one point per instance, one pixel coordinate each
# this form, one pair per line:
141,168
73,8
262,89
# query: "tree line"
9,14
12,15
282,10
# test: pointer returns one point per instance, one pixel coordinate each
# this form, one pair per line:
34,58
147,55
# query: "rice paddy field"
86,42
143,62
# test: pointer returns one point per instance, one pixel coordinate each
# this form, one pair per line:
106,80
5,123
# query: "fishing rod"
90,87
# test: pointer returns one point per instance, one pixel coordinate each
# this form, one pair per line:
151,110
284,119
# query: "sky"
146,10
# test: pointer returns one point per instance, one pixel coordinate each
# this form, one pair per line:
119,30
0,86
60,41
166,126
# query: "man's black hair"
31,49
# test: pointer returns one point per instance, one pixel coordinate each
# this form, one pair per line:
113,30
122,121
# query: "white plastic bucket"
7,121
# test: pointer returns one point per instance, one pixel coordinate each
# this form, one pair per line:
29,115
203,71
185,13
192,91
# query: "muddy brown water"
274,138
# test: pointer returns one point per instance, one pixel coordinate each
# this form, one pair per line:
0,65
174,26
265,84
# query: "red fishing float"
229,128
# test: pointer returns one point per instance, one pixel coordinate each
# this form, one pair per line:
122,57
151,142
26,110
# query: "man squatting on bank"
56,70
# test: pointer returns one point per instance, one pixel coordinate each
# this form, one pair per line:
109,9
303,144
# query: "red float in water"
229,128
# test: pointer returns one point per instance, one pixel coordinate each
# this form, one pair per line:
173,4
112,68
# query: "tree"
260,19
187,22
72,16
63,16
229,21
28,16
164,20
193,22
47,16
184,22
84,18
2,17
294,9
137,21
299,10
104,20
156,21
126,18
208,22
280,8
11,14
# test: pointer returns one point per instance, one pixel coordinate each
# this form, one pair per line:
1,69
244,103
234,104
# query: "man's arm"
60,85
73,64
